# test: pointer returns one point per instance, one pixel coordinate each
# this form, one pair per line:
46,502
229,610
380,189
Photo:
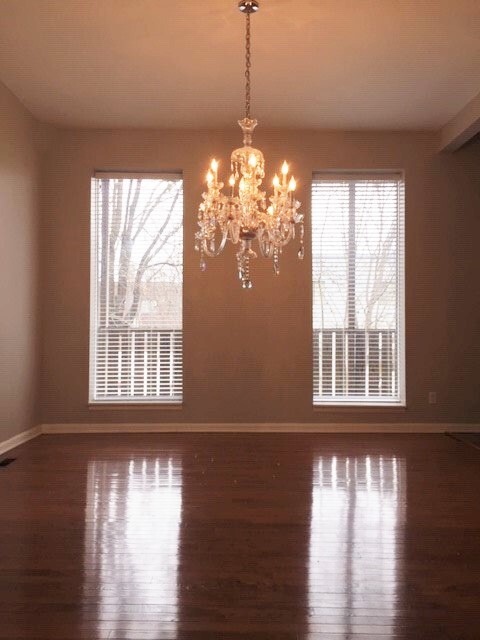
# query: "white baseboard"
19,439
263,427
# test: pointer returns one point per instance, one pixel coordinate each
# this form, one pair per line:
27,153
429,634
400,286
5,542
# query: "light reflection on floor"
132,543
356,536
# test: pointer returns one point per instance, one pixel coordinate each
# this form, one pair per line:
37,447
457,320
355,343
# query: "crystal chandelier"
245,213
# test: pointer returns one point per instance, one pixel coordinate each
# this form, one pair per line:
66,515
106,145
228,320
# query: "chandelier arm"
266,250
262,246
281,240
218,251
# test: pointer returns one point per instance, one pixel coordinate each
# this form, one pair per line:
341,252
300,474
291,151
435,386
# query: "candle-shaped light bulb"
252,160
209,178
285,168
241,185
276,181
214,165
292,185
231,181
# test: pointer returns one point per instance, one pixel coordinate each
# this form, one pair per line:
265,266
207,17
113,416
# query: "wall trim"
20,438
240,427
261,427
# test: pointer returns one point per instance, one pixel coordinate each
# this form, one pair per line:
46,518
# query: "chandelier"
245,214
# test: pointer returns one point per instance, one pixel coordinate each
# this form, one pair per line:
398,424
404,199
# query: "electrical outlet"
432,397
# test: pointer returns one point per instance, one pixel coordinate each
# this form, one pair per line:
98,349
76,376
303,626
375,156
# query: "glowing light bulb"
276,181
231,181
241,185
209,178
270,210
285,168
252,160
214,165
292,185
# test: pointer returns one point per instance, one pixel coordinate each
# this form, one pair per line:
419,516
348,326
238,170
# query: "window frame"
365,401
113,403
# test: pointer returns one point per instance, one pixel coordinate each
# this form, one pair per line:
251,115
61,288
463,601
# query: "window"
358,289
136,288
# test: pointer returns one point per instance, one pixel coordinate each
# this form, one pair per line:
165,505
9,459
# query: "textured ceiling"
345,64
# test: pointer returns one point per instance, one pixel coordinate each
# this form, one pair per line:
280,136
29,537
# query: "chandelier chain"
248,65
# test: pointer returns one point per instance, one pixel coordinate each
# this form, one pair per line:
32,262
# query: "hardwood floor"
232,537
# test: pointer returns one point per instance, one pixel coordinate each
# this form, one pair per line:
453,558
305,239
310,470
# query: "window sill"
133,406
397,406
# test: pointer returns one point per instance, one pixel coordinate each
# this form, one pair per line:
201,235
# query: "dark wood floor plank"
236,536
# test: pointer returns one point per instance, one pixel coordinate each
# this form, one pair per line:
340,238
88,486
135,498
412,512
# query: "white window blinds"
136,288
358,289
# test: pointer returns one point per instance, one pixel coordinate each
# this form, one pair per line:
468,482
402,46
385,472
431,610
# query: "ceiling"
343,64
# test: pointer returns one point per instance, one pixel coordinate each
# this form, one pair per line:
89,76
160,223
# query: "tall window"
358,289
136,288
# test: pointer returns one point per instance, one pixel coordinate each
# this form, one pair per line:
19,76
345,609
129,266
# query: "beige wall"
247,354
19,339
